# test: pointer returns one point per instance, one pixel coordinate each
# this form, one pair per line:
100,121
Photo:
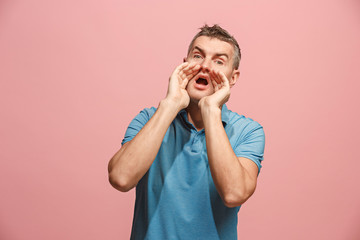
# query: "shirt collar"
224,116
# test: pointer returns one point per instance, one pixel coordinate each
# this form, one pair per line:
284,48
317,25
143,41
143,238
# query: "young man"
193,161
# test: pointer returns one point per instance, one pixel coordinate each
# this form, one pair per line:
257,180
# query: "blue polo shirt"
177,198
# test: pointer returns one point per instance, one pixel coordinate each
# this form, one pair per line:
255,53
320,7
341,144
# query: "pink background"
74,73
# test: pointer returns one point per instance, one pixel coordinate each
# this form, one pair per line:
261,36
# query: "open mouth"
202,81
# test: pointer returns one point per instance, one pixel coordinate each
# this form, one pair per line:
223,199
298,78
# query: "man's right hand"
178,81
134,158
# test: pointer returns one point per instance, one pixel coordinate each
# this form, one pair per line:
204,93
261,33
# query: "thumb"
184,83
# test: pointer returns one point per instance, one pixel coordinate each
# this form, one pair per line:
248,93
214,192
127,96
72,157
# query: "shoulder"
145,114
240,121
247,137
149,111
142,117
138,123
243,128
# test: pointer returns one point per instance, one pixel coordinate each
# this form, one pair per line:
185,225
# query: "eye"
219,62
197,56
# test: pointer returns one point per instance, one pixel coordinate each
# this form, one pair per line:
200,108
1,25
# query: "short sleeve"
251,143
137,124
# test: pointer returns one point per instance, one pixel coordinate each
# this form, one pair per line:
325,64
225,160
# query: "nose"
205,65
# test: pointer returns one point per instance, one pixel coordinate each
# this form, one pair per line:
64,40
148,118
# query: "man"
193,161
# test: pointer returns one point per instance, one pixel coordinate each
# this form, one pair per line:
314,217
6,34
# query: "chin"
196,96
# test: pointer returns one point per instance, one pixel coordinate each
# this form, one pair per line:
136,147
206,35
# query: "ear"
234,77
184,59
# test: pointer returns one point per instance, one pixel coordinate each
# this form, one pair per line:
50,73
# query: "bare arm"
134,158
234,177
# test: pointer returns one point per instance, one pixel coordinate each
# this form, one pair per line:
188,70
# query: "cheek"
223,69
228,74
194,60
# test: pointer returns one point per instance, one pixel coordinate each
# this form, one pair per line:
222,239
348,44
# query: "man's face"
210,54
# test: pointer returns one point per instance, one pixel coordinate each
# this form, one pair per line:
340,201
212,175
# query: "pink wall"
74,73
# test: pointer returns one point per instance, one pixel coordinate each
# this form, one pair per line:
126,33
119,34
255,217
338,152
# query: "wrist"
171,105
206,105
209,111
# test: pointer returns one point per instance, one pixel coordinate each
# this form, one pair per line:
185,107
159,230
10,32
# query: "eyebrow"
217,54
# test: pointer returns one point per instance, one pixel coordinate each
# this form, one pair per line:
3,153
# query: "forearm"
230,177
134,158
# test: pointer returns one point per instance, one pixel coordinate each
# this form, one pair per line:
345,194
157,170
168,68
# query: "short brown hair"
217,32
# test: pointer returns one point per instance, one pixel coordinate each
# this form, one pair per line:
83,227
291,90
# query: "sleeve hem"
252,159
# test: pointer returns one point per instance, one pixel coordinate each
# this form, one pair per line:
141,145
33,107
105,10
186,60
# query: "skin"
234,177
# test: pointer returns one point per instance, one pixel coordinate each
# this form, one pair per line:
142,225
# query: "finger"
178,70
189,71
183,76
214,80
193,67
186,78
222,78
215,76
225,80
215,84
195,71
190,76
181,67
184,83
189,65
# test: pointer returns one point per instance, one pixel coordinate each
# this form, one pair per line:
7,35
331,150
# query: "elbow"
120,183
231,200
237,196
236,199
118,179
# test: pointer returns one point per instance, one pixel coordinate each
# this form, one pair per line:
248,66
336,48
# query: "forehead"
213,46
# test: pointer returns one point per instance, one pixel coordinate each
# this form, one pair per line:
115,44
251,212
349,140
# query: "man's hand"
178,81
234,177
222,91
134,159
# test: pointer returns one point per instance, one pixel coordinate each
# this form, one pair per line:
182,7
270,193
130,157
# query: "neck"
194,115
